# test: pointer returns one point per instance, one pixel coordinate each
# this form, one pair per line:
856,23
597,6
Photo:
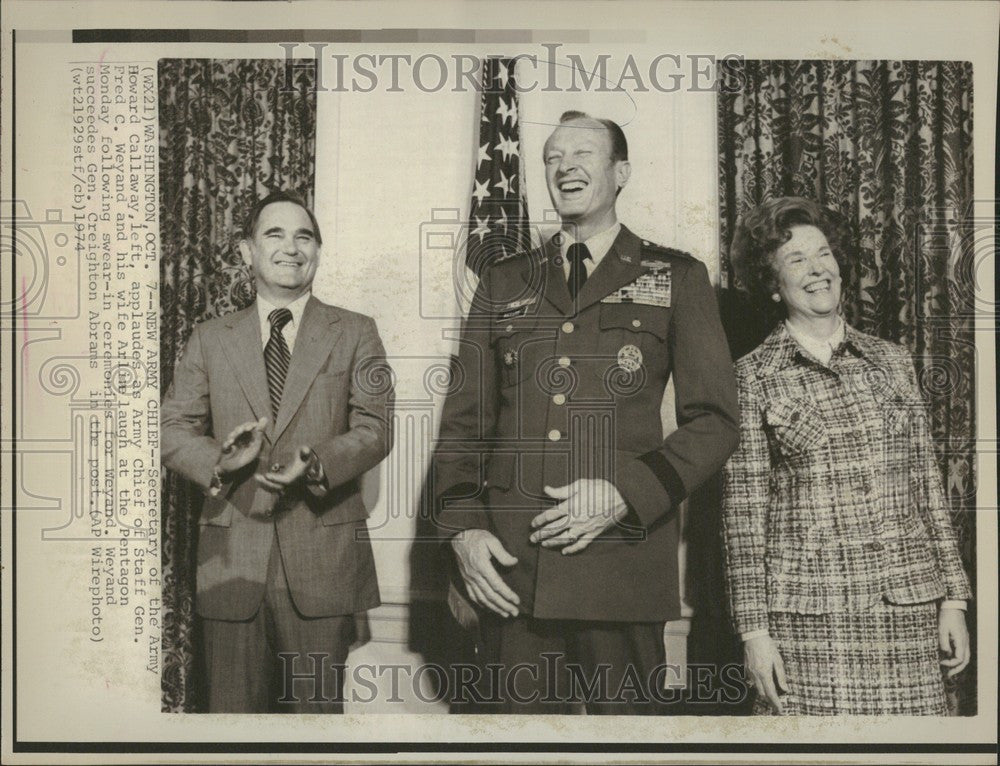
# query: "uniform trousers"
262,665
554,666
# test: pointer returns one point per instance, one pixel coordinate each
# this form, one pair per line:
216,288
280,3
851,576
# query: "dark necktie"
577,254
276,356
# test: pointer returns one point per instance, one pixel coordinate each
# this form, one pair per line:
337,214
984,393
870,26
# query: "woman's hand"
953,638
766,669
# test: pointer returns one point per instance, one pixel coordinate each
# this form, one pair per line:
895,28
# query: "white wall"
373,201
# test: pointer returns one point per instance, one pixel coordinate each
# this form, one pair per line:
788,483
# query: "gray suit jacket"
337,399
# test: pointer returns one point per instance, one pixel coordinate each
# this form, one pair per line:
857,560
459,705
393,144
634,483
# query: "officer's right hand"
242,445
475,550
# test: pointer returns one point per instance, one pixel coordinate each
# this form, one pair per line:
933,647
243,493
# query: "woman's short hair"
768,226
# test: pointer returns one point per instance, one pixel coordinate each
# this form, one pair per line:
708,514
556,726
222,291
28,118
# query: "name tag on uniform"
515,309
650,289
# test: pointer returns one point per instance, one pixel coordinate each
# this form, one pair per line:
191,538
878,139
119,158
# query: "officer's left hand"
280,478
588,507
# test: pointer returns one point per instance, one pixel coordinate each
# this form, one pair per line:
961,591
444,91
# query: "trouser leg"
628,657
523,661
311,652
238,665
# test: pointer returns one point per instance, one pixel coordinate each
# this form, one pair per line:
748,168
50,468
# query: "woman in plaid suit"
843,572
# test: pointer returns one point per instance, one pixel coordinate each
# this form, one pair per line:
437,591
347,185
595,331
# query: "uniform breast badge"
509,357
630,358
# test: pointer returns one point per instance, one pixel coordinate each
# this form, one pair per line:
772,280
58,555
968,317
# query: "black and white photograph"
521,387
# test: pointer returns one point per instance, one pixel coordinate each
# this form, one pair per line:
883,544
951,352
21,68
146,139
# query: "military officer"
555,485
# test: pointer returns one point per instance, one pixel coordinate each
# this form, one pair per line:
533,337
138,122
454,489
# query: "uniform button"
554,435
509,328
568,327
268,513
636,323
564,361
866,488
559,399
875,546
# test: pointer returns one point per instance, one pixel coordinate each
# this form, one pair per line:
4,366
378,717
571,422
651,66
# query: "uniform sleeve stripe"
666,475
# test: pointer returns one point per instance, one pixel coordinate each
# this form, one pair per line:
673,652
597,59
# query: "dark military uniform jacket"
546,390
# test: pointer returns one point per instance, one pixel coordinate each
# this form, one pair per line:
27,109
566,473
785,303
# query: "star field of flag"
498,217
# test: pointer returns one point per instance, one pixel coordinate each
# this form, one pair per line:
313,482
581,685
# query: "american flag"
498,217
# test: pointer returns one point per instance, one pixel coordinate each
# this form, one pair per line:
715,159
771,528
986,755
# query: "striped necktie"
277,357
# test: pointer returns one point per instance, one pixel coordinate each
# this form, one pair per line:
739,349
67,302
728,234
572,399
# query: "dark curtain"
230,131
888,144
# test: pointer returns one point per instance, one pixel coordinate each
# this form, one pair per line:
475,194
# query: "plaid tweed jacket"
833,500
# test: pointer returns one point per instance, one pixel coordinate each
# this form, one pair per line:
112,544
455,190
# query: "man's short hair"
278,196
619,145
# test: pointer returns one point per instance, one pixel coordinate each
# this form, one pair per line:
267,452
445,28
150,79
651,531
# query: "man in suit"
555,486
277,411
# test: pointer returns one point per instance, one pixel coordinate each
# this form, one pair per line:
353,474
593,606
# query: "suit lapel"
621,265
245,350
313,343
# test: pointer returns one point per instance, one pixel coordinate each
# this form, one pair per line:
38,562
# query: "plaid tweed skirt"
883,661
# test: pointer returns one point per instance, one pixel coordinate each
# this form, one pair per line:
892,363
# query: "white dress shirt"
291,329
822,349
598,245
